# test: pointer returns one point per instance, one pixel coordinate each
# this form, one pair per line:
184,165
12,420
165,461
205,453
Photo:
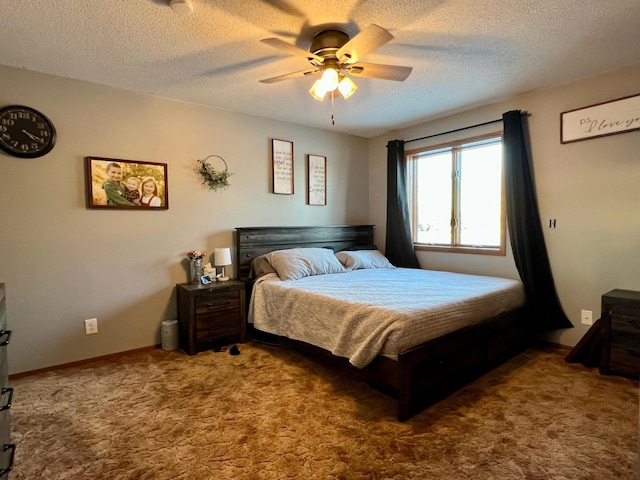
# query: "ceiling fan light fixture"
328,82
346,87
317,90
330,79
335,55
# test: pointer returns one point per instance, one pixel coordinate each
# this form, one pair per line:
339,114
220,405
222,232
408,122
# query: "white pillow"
295,263
358,259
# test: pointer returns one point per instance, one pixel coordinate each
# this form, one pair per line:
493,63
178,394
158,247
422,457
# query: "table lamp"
221,258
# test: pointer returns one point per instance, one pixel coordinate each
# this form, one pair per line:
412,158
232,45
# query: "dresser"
621,333
7,449
211,315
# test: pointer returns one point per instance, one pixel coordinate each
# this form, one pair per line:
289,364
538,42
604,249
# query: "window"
456,196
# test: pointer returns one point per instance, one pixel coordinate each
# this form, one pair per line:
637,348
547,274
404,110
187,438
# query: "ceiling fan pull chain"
332,119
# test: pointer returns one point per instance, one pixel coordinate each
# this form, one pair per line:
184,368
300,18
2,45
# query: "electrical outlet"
91,326
586,317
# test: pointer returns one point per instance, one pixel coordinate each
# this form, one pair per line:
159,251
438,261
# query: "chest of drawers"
621,333
7,449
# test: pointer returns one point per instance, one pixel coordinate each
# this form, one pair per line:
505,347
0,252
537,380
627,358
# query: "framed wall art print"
316,180
282,162
608,118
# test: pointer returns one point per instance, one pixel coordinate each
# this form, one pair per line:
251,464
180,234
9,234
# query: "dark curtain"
399,243
525,229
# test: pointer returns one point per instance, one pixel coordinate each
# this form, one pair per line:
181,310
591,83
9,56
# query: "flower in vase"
195,255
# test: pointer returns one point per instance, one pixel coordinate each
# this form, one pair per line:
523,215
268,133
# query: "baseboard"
562,349
62,366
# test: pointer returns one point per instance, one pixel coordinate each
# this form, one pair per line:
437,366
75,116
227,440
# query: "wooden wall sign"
608,118
282,159
316,180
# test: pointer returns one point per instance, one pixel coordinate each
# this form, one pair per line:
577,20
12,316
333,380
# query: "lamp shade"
329,79
222,257
317,90
347,87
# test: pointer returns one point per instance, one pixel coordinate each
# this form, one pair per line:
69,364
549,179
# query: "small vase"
195,271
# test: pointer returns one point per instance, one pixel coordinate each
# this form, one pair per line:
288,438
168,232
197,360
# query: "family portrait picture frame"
282,166
126,184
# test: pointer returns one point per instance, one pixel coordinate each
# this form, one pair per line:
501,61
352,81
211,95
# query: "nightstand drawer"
209,331
217,304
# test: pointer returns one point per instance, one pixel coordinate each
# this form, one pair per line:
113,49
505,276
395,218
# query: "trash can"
169,335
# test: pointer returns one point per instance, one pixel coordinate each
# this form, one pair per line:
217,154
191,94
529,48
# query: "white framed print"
282,162
316,180
608,118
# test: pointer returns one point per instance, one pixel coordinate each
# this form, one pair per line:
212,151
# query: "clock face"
25,132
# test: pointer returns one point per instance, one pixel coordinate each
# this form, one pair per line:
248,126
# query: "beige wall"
591,187
63,263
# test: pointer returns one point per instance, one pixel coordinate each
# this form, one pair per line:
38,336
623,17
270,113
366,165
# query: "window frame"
456,145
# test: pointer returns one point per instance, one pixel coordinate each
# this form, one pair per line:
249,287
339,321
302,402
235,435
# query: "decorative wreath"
212,178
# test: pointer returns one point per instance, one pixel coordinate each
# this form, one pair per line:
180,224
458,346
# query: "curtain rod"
526,114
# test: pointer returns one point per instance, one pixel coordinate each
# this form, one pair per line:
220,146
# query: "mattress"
382,311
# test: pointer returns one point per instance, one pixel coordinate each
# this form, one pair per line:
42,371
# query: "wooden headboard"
252,242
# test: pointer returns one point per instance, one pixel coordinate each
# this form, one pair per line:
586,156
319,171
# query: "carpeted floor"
271,413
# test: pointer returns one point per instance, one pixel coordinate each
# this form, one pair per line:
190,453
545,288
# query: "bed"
414,364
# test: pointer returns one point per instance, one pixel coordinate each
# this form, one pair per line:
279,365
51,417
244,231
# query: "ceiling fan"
338,57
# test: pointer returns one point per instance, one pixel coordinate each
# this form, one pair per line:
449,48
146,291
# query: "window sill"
496,251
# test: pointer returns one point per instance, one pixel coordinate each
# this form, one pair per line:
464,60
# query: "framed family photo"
126,184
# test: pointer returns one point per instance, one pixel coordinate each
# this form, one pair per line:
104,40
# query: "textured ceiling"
463,52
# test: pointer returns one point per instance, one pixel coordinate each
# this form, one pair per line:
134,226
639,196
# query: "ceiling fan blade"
290,49
377,70
365,42
288,76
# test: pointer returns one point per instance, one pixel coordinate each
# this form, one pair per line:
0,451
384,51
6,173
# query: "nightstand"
211,315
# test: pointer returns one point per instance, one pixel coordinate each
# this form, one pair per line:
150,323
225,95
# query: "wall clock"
25,132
